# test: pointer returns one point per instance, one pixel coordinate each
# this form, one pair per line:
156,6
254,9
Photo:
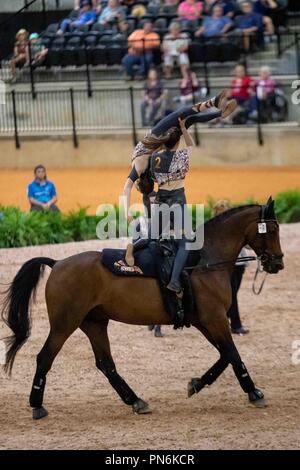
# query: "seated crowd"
165,25
262,95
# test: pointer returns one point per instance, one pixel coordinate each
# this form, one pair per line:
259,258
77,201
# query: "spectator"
236,279
241,87
267,9
94,3
138,11
123,28
189,88
242,90
87,16
175,48
228,6
21,53
265,89
112,14
153,98
38,50
190,10
249,23
41,192
141,44
215,25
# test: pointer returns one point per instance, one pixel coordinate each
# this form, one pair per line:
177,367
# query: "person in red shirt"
241,87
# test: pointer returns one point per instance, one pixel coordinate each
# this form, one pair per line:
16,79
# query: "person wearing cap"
21,53
38,50
87,16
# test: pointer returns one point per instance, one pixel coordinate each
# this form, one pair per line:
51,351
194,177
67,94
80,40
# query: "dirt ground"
91,187
85,413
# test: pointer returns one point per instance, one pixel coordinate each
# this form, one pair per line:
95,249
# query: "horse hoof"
257,398
39,413
190,389
140,407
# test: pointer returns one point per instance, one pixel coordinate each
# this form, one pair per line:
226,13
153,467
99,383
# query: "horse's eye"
273,229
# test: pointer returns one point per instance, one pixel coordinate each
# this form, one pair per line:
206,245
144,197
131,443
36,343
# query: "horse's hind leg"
45,360
96,331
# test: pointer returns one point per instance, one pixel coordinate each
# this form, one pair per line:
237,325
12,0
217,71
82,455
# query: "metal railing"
71,113
202,54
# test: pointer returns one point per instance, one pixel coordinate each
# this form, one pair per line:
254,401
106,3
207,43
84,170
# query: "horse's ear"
269,201
270,211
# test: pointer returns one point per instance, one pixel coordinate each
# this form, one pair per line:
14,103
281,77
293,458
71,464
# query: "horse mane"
228,213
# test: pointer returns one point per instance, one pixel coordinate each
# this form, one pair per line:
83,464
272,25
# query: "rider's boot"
179,263
175,284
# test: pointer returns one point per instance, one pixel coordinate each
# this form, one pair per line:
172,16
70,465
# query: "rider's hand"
130,219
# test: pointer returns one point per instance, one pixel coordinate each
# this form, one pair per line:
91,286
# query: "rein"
210,266
259,269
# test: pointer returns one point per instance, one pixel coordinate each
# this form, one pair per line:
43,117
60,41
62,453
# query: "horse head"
263,238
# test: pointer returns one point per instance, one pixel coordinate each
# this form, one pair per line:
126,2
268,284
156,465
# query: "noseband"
265,257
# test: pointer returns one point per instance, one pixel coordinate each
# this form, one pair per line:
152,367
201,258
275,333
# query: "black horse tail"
15,313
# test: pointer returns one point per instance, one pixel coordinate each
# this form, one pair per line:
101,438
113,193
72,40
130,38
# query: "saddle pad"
113,260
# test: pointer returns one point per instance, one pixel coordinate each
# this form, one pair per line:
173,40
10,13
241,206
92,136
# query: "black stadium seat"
58,42
69,54
91,40
54,56
105,38
114,54
157,58
196,52
97,27
212,52
230,52
99,55
160,24
52,29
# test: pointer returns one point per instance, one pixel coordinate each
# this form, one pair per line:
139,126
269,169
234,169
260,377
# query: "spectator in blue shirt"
41,192
215,25
112,14
87,16
249,23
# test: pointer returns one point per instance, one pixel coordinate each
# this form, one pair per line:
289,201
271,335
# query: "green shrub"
19,228
288,206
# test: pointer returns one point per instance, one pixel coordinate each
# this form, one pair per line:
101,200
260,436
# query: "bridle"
265,259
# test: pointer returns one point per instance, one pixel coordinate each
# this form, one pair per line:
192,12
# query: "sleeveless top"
139,150
169,165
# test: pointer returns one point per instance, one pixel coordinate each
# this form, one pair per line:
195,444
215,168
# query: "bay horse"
82,293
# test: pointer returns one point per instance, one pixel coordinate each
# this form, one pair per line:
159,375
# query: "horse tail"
15,312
